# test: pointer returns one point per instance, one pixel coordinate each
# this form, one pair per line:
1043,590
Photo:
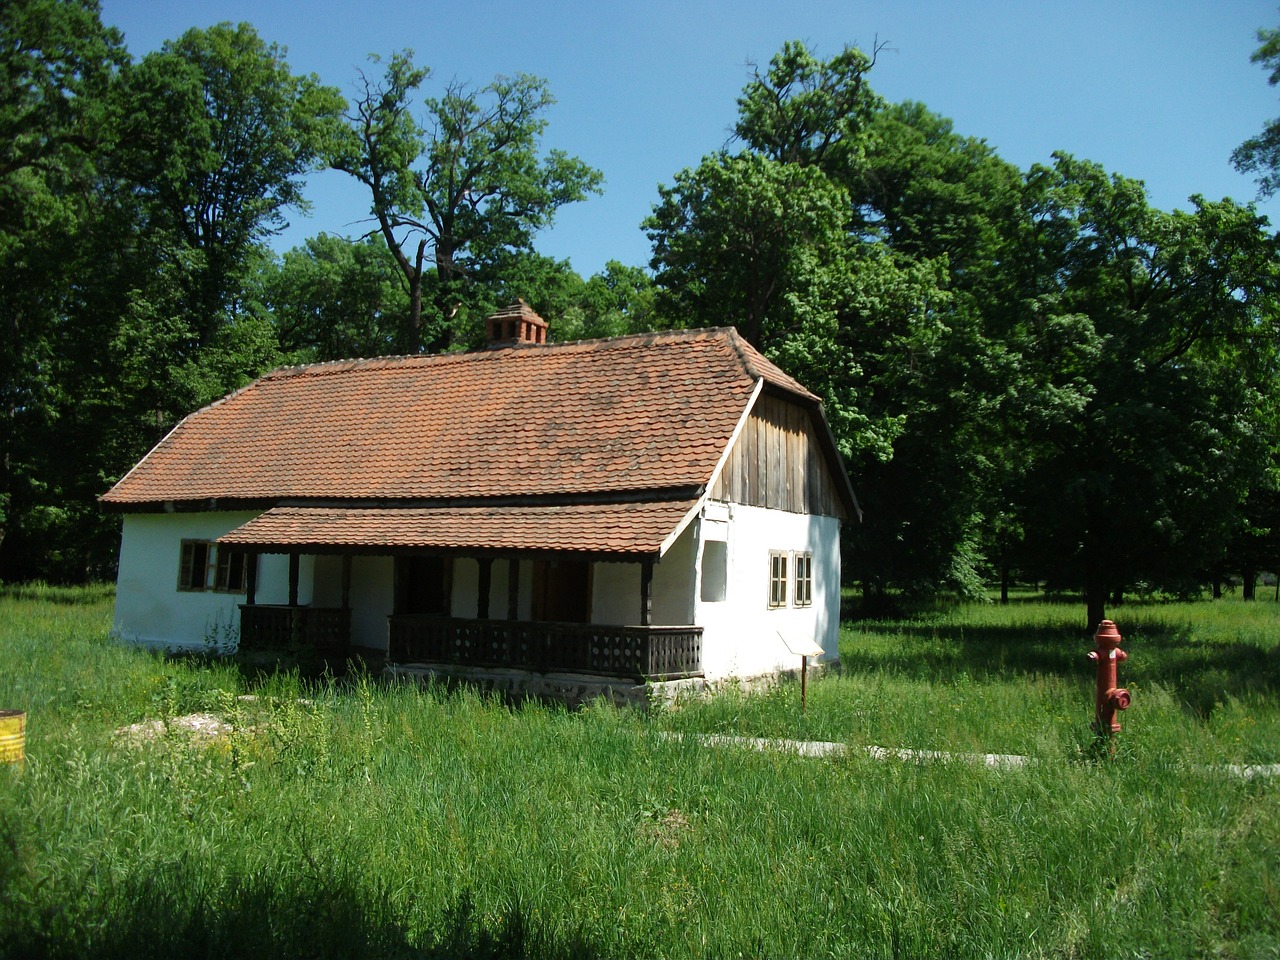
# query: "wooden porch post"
486,581
294,568
513,588
646,593
251,579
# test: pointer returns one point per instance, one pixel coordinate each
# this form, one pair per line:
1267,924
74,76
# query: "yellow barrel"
13,736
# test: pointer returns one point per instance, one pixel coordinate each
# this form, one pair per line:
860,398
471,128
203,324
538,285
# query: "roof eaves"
776,376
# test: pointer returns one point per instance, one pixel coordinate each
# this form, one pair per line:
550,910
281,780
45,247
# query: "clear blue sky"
1159,91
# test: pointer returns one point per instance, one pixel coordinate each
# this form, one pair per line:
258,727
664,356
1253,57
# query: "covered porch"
637,653
542,619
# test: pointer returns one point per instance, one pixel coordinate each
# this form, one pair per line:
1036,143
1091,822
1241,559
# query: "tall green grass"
355,818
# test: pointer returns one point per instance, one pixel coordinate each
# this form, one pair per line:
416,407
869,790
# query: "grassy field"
351,818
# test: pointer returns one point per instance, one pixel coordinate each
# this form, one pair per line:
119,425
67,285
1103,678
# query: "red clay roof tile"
634,413
637,528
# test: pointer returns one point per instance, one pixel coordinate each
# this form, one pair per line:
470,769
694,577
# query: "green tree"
1145,484
1260,154
142,210
333,298
618,300
806,111
748,240
459,194
58,64
850,242
219,136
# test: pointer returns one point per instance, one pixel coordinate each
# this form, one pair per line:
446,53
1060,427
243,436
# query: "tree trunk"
413,331
1249,590
1095,597
1004,584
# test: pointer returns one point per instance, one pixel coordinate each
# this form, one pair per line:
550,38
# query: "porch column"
513,589
294,567
251,579
486,581
646,593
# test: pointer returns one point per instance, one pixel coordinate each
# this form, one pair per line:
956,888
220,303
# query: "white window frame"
779,563
802,567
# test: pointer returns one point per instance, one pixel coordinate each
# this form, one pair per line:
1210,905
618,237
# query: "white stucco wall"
372,600
675,582
150,609
615,593
740,633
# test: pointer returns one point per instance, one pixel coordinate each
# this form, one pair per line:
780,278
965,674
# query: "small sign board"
807,647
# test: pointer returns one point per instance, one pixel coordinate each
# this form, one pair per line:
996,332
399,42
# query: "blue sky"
1159,91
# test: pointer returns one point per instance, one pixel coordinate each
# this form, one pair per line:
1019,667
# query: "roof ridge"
322,367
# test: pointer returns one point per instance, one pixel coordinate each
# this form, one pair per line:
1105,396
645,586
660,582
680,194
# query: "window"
193,569
777,580
231,571
804,580
715,570
201,557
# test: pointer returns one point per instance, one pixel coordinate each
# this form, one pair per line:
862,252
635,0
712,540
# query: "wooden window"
803,594
193,567
206,566
230,575
424,585
777,580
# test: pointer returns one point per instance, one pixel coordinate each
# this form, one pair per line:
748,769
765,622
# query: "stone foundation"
576,689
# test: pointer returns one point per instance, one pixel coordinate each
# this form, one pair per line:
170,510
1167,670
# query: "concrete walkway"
827,748
996,761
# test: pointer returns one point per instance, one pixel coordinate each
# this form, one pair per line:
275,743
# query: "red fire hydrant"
1109,697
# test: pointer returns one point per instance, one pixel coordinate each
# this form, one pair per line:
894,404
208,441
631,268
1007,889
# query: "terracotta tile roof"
634,413
637,528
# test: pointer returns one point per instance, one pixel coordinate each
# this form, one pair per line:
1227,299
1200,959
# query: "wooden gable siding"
777,462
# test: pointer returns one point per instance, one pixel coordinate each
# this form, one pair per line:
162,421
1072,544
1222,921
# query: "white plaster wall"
740,633
675,582
273,579
372,601
150,609
615,593
464,600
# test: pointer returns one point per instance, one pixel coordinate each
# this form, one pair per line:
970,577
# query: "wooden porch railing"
327,629
634,653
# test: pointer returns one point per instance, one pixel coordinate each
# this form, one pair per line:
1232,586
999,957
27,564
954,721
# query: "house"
645,508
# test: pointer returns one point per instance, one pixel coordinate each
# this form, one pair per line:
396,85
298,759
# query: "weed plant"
359,818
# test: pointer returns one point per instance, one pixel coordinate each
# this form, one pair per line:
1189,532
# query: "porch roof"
634,530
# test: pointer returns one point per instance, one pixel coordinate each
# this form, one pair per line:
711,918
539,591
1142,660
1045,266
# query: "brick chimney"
515,323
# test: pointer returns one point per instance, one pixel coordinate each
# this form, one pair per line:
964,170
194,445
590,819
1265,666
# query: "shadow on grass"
1201,673
176,914
259,665
63,596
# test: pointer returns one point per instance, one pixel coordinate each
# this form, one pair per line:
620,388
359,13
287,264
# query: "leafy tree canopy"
458,192
1260,154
